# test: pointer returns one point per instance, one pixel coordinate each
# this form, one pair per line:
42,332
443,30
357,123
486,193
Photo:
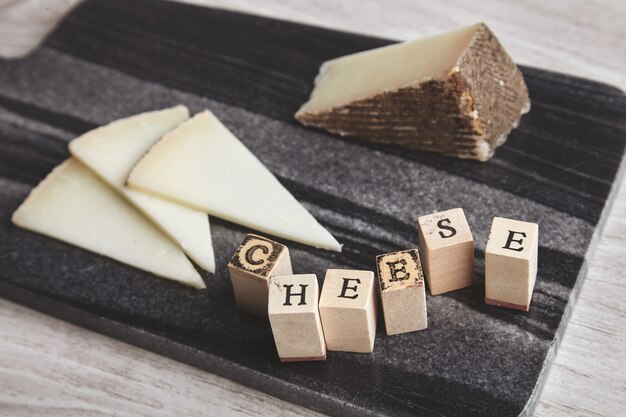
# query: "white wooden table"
51,368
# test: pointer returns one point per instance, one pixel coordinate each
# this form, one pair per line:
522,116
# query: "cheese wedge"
458,93
111,151
73,205
202,164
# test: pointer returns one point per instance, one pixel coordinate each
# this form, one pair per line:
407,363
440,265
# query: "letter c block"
250,268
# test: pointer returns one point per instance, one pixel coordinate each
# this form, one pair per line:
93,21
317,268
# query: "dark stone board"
111,59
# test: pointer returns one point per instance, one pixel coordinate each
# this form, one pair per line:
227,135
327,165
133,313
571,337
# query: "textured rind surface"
495,90
468,114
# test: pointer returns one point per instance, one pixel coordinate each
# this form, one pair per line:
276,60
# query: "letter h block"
250,268
402,291
295,318
447,249
348,310
511,263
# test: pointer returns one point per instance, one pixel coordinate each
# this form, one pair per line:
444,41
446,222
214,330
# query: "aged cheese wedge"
202,164
73,205
458,93
111,151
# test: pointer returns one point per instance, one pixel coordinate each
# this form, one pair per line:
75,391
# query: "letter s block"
295,318
447,249
348,310
511,263
402,291
250,268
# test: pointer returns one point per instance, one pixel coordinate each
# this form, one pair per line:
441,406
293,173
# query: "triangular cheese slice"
112,150
202,164
73,205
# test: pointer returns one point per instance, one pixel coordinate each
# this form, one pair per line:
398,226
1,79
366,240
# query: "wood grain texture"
68,371
52,368
24,23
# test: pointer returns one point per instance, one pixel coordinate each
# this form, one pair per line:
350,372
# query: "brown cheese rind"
496,85
468,114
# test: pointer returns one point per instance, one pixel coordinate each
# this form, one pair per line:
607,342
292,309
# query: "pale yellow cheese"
112,150
389,68
202,164
73,205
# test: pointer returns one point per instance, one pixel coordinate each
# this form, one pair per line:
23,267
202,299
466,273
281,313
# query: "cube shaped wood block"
511,263
348,310
295,318
401,281
250,268
447,249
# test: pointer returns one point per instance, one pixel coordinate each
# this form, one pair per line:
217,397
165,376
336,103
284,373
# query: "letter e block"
348,310
402,292
250,268
295,318
447,249
511,263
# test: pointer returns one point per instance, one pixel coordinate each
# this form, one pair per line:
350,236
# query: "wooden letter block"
511,263
295,318
250,268
447,249
348,310
402,291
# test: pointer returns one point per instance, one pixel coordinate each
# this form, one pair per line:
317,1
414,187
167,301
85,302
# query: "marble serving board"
111,59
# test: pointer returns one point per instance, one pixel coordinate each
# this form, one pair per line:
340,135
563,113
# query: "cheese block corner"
457,93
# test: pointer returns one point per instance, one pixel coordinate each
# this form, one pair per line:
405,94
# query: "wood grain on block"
402,293
447,249
458,93
511,263
295,318
250,268
348,310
